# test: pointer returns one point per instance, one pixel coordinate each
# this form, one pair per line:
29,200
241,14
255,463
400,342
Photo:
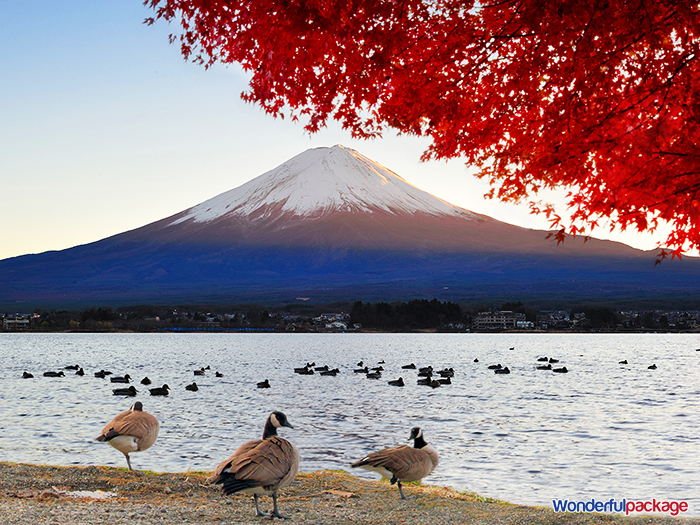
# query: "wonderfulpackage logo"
670,507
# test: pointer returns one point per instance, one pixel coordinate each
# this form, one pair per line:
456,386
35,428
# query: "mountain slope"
333,225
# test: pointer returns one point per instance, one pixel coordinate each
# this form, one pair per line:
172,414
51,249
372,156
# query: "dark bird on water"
219,374
652,367
504,370
262,466
27,375
402,463
131,431
160,390
264,384
624,362
409,367
193,387
544,367
145,381
397,382
80,372
562,370
120,379
495,367
334,372
54,374
131,391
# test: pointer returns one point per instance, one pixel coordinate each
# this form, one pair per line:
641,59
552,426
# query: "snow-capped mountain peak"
320,182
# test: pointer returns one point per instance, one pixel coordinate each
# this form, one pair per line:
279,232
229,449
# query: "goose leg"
401,491
128,462
275,512
257,508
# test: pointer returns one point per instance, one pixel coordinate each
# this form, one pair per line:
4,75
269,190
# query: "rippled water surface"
601,431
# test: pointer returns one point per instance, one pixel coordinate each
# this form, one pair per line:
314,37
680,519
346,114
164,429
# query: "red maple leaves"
600,96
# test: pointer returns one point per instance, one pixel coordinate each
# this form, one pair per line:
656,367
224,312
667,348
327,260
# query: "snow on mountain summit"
322,181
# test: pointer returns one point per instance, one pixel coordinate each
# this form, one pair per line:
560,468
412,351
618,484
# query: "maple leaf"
602,97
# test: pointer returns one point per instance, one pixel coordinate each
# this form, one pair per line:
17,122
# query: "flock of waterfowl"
266,465
131,390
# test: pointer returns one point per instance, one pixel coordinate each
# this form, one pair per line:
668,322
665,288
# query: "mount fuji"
331,224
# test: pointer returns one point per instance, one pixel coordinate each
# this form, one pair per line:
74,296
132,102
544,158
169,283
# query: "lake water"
602,431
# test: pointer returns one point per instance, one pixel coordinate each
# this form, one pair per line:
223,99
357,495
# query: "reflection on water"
601,431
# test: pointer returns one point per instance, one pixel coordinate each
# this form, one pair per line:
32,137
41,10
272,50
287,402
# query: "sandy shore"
32,494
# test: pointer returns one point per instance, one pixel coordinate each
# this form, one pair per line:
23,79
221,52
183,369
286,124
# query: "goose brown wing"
269,463
406,463
141,425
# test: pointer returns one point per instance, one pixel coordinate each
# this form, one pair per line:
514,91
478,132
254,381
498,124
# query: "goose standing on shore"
262,466
402,463
131,431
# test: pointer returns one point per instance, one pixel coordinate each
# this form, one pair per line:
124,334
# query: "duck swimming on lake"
160,391
264,384
131,391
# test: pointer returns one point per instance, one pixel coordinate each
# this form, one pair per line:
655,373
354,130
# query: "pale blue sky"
105,128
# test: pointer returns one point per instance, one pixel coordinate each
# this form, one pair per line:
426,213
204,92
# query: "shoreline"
95,494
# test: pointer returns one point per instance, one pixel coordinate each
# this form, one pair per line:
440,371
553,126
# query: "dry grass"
46,494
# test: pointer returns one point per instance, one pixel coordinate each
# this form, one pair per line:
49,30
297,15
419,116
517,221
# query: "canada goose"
80,372
402,463
262,466
361,370
54,374
495,367
505,370
219,374
192,388
543,359
199,372
333,372
544,367
146,381
131,391
374,375
131,431
561,370
120,379
264,384
623,362
160,390
652,367
552,360
27,375
397,382
409,367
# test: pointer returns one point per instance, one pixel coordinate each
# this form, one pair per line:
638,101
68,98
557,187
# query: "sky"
105,128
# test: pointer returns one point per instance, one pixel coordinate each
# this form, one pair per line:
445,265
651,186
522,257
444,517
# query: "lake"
603,430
